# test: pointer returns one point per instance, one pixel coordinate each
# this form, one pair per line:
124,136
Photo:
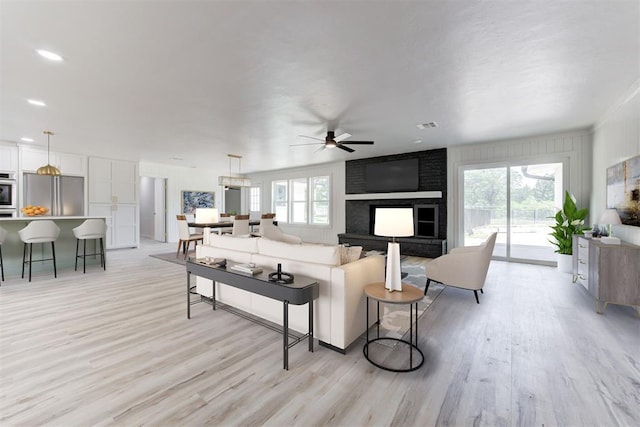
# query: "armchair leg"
481,291
476,294
426,288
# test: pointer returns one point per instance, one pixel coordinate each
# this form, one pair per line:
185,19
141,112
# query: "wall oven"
8,191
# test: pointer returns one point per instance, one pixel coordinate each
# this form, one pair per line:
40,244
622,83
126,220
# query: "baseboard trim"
332,347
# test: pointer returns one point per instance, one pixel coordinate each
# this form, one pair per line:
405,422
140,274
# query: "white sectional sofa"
339,311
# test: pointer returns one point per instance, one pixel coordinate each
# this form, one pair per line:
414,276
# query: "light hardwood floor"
115,348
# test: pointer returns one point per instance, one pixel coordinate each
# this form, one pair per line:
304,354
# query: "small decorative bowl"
34,210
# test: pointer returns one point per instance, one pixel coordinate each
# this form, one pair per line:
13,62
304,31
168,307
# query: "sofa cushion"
318,254
272,232
349,254
236,243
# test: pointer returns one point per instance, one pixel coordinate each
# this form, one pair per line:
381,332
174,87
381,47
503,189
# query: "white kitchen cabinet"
122,224
112,181
113,192
8,158
69,164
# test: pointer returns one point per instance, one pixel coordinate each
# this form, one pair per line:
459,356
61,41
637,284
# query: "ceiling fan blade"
320,149
310,143
342,147
312,137
359,142
342,137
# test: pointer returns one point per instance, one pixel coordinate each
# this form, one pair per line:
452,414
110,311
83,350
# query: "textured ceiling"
152,80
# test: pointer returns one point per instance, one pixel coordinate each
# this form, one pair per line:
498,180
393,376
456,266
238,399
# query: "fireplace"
425,218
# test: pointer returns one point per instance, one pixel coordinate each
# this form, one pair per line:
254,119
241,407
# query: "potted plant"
569,221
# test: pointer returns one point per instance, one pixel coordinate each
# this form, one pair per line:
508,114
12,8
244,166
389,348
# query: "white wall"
309,233
616,137
179,179
573,147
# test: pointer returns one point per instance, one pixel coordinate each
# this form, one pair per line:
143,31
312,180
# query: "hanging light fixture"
234,181
48,169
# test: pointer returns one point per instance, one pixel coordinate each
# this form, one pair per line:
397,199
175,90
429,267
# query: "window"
320,198
280,198
254,199
302,200
299,203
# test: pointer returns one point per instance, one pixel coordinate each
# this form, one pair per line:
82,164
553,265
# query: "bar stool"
90,229
39,231
3,235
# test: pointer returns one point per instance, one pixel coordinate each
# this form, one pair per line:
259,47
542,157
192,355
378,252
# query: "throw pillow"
349,254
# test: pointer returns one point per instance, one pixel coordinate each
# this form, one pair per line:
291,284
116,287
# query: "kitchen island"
65,246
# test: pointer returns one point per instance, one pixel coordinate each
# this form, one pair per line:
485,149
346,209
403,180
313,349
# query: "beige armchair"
464,267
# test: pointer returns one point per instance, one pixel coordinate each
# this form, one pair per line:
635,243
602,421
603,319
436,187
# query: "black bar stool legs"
99,251
30,259
1,263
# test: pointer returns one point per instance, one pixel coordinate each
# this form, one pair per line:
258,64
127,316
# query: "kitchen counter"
54,218
65,247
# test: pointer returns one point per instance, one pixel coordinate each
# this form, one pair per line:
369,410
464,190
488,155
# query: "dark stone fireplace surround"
359,213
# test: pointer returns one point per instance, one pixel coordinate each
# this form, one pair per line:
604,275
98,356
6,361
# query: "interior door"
160,210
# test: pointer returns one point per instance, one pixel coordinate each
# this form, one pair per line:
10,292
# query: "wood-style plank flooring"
115,348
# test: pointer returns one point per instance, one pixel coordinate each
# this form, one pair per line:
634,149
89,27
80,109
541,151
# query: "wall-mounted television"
392,176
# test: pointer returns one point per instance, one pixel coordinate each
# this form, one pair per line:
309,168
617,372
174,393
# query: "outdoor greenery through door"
517,201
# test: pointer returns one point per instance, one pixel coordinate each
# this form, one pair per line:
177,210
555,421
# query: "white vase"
565,263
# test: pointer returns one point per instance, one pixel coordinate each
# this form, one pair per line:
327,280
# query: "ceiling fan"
331,141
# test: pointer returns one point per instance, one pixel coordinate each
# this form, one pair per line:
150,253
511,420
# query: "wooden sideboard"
610,273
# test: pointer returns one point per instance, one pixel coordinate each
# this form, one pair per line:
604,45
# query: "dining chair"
240,225
225,217
265,221
185,236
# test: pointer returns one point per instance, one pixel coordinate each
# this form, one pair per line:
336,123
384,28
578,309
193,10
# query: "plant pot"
565,263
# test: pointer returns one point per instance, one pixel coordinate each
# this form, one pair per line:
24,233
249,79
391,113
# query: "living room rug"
171,257
394,318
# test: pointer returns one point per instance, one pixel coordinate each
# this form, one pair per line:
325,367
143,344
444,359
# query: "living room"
115,347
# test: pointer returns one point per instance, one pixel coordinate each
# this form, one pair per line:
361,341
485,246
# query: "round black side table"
409,295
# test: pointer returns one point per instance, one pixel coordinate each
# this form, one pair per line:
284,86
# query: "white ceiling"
151,80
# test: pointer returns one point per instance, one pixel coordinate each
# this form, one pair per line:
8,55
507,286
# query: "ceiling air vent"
427,125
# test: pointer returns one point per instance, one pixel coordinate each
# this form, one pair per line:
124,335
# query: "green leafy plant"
569,221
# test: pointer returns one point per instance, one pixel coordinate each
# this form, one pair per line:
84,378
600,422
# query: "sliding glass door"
516,201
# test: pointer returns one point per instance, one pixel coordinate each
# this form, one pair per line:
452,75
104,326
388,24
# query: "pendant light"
48,169
234,181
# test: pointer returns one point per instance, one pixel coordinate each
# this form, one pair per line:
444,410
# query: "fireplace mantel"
390,196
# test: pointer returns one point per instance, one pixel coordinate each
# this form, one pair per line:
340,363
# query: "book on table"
246,268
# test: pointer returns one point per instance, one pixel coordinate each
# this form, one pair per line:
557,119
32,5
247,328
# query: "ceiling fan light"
330,144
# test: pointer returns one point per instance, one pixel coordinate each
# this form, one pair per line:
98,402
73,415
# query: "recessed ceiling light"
427,125
36,102
417,141
176,158
49,55
25,139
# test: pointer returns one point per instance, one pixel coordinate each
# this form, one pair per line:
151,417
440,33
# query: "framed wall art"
623,190
197,199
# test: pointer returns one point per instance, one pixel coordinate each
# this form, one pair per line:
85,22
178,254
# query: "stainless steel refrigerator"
62,195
